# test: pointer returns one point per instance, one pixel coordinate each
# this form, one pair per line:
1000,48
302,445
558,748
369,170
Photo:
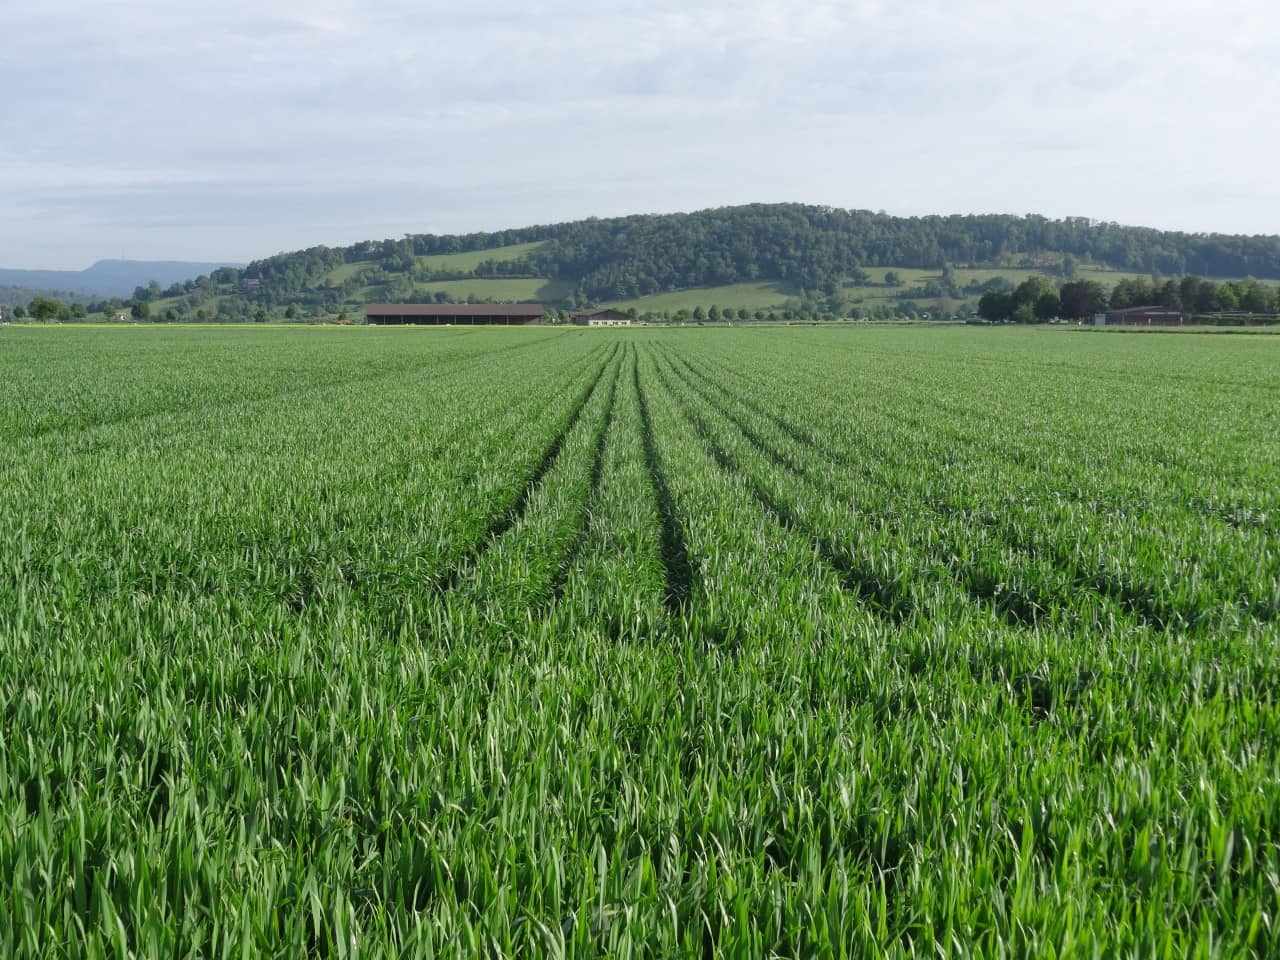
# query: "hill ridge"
110,277
765,255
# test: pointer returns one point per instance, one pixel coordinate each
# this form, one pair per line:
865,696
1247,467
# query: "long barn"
438,314
1140,317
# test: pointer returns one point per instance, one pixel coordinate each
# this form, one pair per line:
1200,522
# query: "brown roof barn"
1140,317
438,314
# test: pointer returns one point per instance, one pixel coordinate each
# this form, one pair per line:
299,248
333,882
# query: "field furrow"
675,555
997,561
618,583
523,562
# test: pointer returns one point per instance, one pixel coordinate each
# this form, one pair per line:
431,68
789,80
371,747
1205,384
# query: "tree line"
1039,299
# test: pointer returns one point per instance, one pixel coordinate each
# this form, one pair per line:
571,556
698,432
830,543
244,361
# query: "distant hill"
793,244
109,278
805,259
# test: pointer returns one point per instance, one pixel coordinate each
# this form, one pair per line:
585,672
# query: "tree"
140,310
44,309
150,292
1255,298
948,281
79,312
1132,292
1168,294
713,314
1030,290
1206,298
1081,299
996,306
291,312
19,312
1047,306
891,279
1189,292
699,314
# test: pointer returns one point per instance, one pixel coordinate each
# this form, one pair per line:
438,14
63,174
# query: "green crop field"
349,270
769,295
382,642
473,258
911,276
461,262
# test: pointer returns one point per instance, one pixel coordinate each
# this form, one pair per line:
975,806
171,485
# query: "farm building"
604,317
436,314
1238,317
1140,317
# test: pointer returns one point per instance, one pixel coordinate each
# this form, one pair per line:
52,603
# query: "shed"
603,317
1150,316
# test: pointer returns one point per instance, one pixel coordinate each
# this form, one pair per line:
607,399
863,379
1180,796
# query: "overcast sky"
170,129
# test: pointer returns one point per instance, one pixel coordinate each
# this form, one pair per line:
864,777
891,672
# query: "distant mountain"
110,278
11,296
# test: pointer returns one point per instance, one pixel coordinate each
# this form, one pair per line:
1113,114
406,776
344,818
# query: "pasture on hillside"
548,642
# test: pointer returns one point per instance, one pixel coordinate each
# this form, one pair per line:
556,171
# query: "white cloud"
243,128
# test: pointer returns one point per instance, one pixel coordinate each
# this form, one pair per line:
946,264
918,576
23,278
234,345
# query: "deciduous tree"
996,306
1048,305
1081,299
44,309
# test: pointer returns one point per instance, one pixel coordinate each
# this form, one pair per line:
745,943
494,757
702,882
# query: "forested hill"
805,247
755,255
801,246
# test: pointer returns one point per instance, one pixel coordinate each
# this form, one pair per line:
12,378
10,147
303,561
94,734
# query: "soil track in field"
450,579
1016,607
675,555
593,493
875,591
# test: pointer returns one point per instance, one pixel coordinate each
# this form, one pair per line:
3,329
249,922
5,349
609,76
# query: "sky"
170,129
